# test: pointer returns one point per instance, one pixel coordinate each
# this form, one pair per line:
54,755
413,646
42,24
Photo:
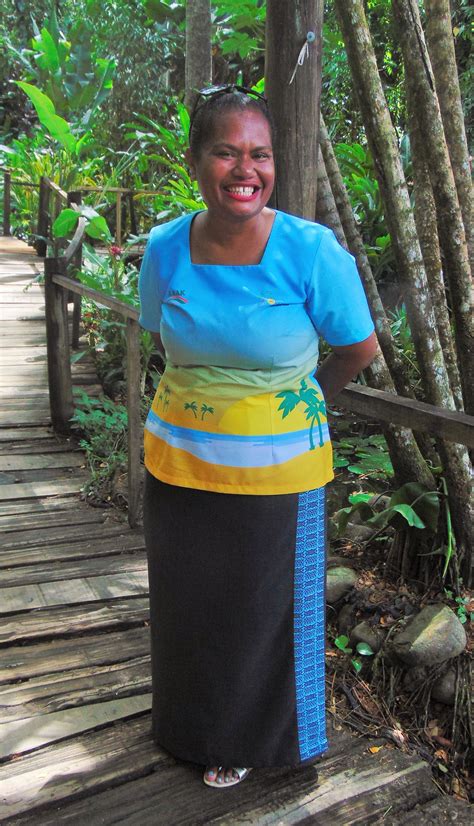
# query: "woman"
237,453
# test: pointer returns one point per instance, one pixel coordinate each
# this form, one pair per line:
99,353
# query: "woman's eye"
261,156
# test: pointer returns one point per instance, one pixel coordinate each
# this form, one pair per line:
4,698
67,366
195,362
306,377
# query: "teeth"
241,190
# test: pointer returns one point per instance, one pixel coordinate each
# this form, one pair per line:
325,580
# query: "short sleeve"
148,288
336,300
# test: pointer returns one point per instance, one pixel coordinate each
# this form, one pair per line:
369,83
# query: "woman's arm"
159,345
343,364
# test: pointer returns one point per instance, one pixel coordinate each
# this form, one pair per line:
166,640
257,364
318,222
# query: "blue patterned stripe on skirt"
309,623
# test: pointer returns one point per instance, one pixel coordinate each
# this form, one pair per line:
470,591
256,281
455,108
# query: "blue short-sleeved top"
238,409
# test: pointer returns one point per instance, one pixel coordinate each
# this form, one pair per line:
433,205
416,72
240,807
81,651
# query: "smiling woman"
237,451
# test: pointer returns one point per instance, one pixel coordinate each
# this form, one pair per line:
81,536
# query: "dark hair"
206,112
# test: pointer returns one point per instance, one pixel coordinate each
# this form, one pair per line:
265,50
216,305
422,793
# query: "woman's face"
235,170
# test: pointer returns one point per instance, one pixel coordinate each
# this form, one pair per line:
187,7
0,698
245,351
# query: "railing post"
7,190
134,419
41,244
76,198
57,337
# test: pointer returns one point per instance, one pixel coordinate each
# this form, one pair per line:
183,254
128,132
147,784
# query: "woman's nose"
243,167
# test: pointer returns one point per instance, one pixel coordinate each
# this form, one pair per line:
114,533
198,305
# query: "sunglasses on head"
217,91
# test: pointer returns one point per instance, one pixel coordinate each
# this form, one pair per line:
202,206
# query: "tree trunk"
198,65
420,82
356,247
426,224
406,457
326,209
443,60
295,105
384,146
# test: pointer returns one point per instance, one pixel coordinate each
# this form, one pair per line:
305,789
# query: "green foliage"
64,67
96,226
164,146
462,610
103,427
107,332
404,342
367,457
412,505
362,648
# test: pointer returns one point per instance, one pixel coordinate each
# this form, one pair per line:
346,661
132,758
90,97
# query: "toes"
211,772
230,775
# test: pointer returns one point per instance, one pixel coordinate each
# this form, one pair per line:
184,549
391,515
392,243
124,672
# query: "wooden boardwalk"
75,744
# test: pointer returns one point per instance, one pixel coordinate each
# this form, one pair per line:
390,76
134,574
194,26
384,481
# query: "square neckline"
266,251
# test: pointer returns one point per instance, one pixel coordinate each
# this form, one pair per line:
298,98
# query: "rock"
339,581
432,636
357,533
363,632
444,689
346,619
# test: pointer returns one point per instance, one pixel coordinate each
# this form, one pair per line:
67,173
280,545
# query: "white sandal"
242,774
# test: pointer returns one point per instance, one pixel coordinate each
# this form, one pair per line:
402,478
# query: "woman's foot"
221,777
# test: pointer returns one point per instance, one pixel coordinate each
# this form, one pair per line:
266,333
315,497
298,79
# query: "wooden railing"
365,401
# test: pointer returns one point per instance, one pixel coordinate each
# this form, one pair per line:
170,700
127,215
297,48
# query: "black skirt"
237,593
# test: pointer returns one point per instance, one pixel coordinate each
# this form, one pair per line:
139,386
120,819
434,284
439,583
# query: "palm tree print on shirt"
206,409
193,407
315,407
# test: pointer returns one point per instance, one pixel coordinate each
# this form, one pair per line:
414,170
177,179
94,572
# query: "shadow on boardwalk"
75,725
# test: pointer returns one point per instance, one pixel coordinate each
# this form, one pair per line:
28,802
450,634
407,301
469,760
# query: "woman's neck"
217,241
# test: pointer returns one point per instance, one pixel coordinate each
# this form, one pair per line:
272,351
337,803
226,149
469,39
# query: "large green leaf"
409,514
49,50
97,228
58,128
65,222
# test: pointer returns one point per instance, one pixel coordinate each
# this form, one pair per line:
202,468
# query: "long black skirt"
237,593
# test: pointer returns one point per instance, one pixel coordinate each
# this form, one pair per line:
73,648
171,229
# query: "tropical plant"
365,456
363,648
102,425
64,67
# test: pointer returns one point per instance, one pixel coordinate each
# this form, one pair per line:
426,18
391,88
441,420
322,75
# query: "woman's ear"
188,157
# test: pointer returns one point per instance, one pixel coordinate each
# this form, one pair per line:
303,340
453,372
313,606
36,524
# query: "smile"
242,193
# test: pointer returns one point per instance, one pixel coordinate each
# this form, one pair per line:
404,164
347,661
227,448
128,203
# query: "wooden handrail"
95,295
451,425
76,240
57,189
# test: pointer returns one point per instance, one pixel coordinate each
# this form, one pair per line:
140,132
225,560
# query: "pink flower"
116,251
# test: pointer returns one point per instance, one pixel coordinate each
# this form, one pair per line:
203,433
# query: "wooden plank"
84,764
23,523
22,662
33,447
53,460
48,693
101,541
177,793
11,312
39,505
32,490
387,407
49,622
10,417
10,434
74,569
43,475
32,734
